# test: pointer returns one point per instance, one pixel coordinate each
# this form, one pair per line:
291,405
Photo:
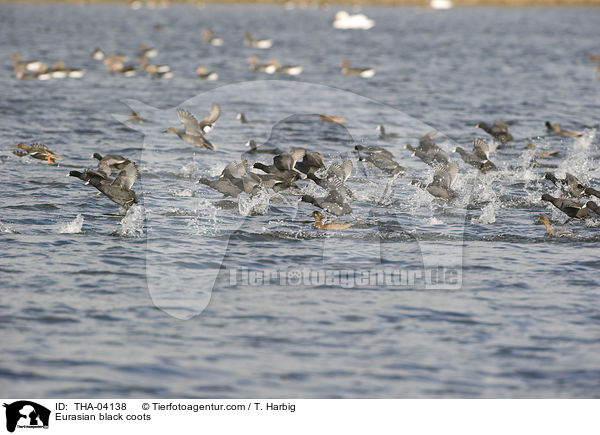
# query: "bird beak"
16,146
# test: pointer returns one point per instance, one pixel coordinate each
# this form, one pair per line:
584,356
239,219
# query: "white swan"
343,20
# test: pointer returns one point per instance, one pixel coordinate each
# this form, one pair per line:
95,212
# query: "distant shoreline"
458,3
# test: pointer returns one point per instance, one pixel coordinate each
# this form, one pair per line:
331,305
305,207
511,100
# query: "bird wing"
481,148
127,176
189,122
211,118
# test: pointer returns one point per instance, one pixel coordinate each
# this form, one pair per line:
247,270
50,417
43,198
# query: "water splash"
132,224
183,193
488,215
7,229
585,141
72,227
204,221
254,205
188,170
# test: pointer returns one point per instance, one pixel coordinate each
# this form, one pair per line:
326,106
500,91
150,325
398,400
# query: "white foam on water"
204,221
578,162
132,224
183,193
253,205
72,227
7,229
435,221
420,198
488,215
216,169
585,141
188,170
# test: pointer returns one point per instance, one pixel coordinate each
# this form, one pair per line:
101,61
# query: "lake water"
191,295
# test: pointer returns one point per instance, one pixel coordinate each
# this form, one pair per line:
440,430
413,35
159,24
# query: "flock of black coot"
290,167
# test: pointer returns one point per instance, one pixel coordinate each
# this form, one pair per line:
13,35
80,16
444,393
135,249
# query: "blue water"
157,302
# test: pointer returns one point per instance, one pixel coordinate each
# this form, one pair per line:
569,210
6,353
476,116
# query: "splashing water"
216,169
255,204
72,227
6,229
488,215
188,170
205,220
132,223
183,193
584,142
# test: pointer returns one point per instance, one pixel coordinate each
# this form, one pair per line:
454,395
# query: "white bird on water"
343,20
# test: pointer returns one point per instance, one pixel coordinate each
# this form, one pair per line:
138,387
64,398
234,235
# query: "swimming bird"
37,151
380,158
347,70
291,70
569,207
320,225
343,20
478,158
98,54
28,65
254,150
551,231
257,43
254,65
118,67
499,131
333,119
383,135
211,39
557,130
148,52
58,70
193,131
22,74
244,120
541,154
117,190
205,74
136,118
311,163
159,71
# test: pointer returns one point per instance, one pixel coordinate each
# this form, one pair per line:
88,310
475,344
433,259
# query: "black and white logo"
25,414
